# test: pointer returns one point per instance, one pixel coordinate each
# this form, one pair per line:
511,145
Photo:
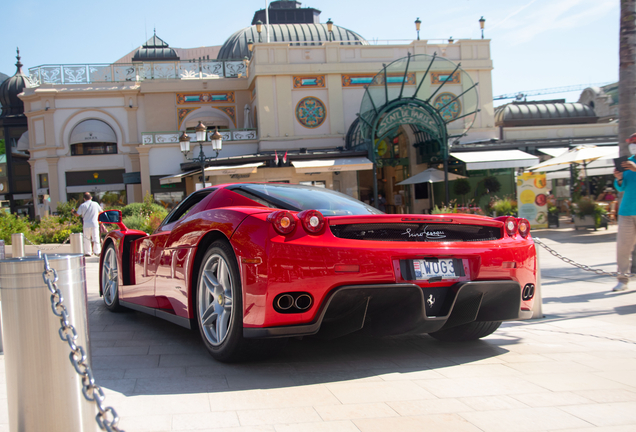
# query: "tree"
2,149
627,75
461,187
492,184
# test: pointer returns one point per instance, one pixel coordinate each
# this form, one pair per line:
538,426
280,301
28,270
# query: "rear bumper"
391,309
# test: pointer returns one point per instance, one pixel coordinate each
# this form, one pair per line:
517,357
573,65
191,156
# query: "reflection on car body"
252,264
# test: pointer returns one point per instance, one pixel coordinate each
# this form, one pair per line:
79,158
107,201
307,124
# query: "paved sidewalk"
573,370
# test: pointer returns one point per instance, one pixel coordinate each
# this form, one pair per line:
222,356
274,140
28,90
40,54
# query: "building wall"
152,106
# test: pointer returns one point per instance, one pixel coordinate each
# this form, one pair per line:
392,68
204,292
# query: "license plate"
427,268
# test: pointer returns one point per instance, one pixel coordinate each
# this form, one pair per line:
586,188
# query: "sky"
535,44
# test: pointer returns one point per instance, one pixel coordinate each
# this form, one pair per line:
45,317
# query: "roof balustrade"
134,72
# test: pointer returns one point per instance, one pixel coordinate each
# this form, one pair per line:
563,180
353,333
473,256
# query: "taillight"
283,222
511,226
313,221
524,227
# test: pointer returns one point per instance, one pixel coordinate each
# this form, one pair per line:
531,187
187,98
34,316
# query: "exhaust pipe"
285,302
303,302
528,292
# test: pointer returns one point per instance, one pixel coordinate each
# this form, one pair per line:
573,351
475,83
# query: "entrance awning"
233,169
176,178
92,131
213,171
496,159
333,165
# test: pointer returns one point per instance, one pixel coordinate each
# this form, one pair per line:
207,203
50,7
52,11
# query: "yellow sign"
382,148
533,199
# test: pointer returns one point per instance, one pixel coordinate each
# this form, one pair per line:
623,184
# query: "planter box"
584,222
553,220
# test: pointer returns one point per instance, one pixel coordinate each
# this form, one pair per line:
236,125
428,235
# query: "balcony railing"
123,72
173,136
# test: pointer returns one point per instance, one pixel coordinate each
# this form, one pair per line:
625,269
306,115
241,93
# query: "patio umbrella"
431,175
580,154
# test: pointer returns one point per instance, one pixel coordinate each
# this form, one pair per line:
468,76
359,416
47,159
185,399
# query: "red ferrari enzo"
251,264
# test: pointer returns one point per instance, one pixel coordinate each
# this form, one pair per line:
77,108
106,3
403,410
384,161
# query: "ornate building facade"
286,98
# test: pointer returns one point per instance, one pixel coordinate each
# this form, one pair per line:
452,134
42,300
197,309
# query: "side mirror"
112,217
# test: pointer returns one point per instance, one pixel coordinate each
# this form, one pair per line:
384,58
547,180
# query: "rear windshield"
298,198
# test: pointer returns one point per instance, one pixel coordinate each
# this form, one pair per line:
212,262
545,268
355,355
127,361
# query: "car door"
141,291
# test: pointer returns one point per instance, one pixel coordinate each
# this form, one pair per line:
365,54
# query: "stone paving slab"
572,370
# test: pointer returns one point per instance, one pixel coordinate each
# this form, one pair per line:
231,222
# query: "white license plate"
426,269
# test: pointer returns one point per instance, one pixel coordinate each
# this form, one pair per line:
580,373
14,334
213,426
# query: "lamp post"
482,24
418,24
330,29
201,131
250,47
259,29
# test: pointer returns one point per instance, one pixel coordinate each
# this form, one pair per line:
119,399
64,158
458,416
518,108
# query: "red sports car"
251,264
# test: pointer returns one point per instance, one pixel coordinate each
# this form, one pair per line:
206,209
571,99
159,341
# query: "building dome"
10,88
155,49
3,77
542,113
235,47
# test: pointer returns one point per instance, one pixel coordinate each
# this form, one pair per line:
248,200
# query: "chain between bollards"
581,266
107,418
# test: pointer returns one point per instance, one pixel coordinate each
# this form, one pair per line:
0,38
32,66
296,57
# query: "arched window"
93,137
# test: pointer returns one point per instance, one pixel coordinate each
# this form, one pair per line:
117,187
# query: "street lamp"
482,24
259,29
330,29
201,132
418,24
250,47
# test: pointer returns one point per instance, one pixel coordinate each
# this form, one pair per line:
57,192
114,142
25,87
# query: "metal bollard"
44,391
17,245
77,243
537,307
1,249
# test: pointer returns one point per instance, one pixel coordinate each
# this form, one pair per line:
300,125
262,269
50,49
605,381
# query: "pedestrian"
89,211
381,203
626,238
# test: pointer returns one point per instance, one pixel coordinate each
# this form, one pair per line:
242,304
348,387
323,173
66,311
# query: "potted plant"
553,216
504,207
589,214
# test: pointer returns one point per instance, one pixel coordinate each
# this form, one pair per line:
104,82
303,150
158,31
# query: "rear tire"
219,309
109,279
467,332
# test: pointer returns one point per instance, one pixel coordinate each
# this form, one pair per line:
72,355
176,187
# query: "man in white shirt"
89,211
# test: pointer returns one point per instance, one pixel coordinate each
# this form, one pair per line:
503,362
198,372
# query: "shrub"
142,209
504,207
65,211
132,209
135,222
152,222
54,229
13,224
